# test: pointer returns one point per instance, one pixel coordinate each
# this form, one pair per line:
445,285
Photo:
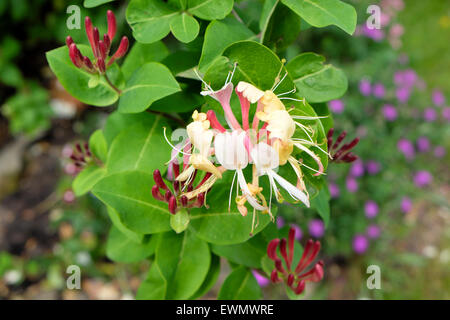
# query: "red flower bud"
96,48
159,180
284,252
111,24
272,249
173,205
75,56
103,49
123,47
168,195
300,287
200,200
107,41
184,201
156,194
279,266
90,32
290,280
101,65
274,276
69,41
88,64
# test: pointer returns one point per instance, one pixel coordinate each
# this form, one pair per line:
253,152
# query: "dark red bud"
290,280
272,249
284,252
172,205
300,287
184,201
156,194
291,240
78,147
168,195
69,41
121,51
90,32
176,186
75,56
107,41
88,64
87,149
279,266
103,49
274,276
96,49
159,180
101,65
200,200
112,26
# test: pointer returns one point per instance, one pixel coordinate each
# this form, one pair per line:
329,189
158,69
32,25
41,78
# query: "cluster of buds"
100,48
295,278
80,155
338,153
181,195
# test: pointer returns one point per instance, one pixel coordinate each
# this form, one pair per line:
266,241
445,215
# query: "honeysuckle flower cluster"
79,156
263,143
295,278
100,48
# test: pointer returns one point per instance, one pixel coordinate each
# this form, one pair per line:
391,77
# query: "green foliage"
120,248
240,285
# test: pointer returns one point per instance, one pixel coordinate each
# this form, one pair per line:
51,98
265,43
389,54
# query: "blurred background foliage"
384,211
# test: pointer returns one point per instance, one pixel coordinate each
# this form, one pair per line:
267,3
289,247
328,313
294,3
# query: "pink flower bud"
112,26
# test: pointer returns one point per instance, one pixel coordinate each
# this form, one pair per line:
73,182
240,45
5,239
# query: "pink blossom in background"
403,59
360,244
69,196
422,178
357,169
429,114
298,231
446,113
372,167
262,281
406,204
316,228
374,34
336,106
438,98
379,91
371,209
403,94
396,30
373,231
439,152
407,148
365,87
334,190
67,151
384,19
405,78
389,112
280,222
71,169
423,144
352,185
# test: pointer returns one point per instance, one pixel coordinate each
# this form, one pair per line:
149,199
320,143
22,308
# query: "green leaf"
141,54
95,3
98,145
117,122
322,13
180,61
240,285
115,218
120,248
210,9
129,194
183,101
248,253
87,178
75,80
134,149
322,204
149,83
185,265
219,226
281,29
154,287
180,221
219,35
184,27
150,19
211,278
314,80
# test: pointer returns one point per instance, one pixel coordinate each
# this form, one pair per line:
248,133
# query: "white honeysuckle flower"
231,153
266,160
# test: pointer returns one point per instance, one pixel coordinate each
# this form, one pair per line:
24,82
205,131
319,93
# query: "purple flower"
316,228
351,184
446,113
422,178
423,144
438,98
262,281
336,106
389,112
371,209
373,231
407,148
439,152
429,114
69,196
360,244
298,231
280,222
406,204
334,190
379,90
403,94
372,167
374,34
365,87
357,169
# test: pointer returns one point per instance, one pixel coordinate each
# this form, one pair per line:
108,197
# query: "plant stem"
111,84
